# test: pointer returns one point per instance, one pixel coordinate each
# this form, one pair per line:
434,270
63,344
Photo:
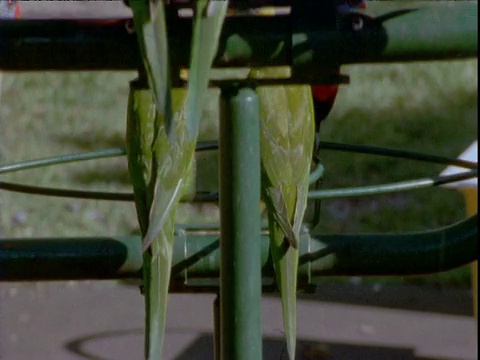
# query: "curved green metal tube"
69,259
69,193
196,259
93,155
396,254
213,196
389,188
209,196
396,153
441,29
61,159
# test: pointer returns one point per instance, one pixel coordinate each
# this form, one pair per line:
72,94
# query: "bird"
324,95
162,130
286,141
290,117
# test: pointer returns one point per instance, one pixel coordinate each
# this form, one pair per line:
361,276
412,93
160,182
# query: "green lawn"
428,107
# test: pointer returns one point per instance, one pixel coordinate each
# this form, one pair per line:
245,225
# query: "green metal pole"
240,246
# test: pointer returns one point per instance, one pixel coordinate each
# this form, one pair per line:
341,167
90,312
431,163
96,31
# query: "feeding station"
310,38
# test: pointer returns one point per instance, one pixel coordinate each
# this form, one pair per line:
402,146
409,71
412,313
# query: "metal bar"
67,45
396,153
70,259
427,31
403,254
441,29
196,256
199,197
61,159
209,196
240,270
93,155
408,185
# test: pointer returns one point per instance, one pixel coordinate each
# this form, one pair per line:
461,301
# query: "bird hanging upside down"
324,95
289,118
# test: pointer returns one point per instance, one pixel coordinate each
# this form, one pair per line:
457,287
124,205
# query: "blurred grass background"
428,107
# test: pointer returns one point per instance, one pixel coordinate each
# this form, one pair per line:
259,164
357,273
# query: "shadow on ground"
454,301
432,299
273,349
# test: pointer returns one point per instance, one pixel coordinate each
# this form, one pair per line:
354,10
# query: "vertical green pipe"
240,271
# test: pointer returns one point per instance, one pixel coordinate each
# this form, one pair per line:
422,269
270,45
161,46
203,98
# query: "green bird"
287,136
162,129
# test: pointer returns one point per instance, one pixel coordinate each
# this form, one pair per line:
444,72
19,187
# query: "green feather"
287,139
151,28
161,144
209,17
155,173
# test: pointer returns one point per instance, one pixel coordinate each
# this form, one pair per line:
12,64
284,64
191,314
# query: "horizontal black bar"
67,45
197,256
400,254
314,45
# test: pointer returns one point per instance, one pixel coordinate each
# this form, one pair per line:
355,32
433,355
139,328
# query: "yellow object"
469,190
